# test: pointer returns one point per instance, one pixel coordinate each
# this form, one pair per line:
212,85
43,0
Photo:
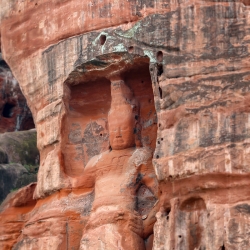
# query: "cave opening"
159,56
102,39
28,124
159,69
8,110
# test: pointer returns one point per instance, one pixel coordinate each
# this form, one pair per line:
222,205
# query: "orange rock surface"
186,64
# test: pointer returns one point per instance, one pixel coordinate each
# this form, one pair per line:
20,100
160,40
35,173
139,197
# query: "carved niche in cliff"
109,138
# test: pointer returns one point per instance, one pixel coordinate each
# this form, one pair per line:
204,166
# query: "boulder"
12,177
19,160
20,147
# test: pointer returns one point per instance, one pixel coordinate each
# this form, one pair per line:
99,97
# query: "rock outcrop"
187,65
15,148
19,160
12,177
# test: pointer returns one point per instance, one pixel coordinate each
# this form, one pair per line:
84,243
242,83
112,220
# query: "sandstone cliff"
187,64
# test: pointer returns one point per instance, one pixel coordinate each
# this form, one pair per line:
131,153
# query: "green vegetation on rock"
19,160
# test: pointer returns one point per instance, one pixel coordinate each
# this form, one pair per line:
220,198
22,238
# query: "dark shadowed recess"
14,112
8,110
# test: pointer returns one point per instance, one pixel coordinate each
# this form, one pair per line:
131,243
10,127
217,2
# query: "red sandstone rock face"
15,212
198,62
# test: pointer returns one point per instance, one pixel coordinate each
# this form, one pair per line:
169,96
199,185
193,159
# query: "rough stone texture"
14,213
19,160
198,61
20,147
14,112
12,177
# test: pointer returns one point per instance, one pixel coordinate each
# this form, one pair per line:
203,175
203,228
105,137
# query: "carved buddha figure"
115,176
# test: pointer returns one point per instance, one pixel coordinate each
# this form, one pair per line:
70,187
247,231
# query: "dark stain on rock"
80,59
88,201
190,91
243,208
50,61
195,236
193,204
181,137
145,200
234,232
92,139
105,11
75,135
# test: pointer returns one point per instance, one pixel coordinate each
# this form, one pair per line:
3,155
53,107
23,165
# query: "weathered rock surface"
19,160
194,54
14,213
12,177
20,147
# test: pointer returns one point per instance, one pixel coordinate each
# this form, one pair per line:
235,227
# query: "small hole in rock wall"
161,139
102,39
159,56
142,81
179,236
223,247
150,100
157,156
19,11
100,134
159,69
35,3
160,92
130,49
159,125
167,213
159,142
8,110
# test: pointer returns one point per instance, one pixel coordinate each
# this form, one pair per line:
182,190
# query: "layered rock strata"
195,58
14,213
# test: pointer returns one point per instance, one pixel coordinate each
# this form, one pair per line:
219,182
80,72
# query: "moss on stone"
27,150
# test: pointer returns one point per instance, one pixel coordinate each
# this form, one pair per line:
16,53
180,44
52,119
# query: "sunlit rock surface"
193,55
